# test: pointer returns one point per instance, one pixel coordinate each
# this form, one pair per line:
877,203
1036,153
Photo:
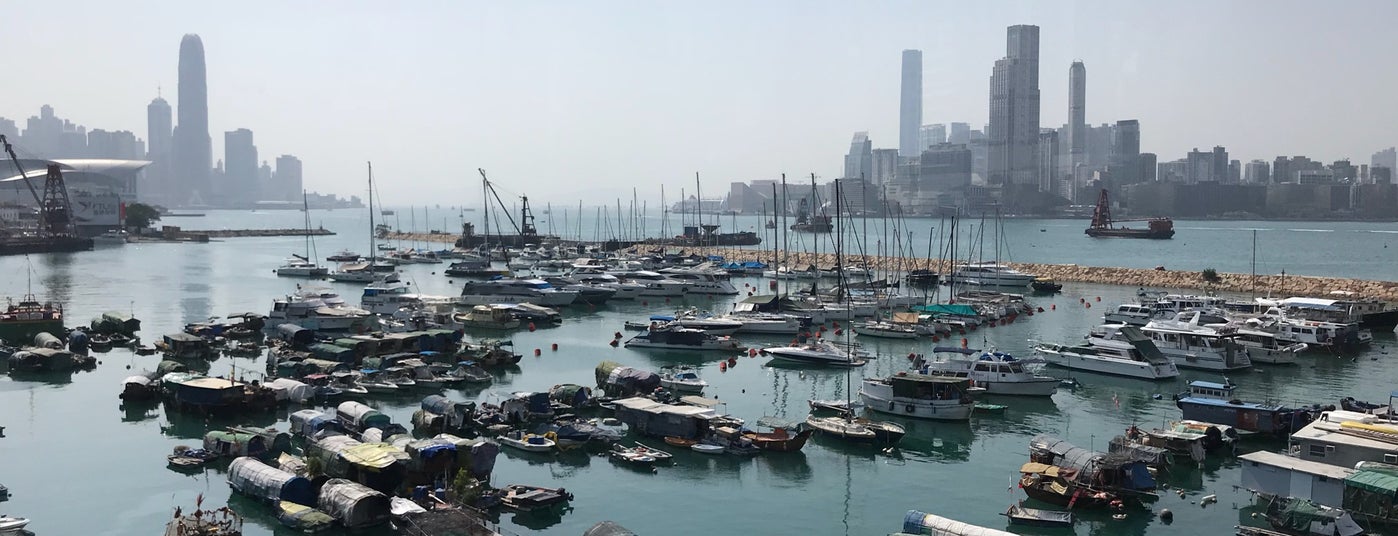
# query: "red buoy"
964,342
752,352
616,335
839,331
1099,298
723,366
1053,307
555,347
911,356
613,343
538,352
1041,309
935,338
531,327
1089,306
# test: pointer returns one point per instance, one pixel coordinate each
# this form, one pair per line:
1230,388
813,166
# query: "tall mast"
698,209
485,200
373,251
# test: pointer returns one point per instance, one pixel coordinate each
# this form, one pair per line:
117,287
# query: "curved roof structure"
34,168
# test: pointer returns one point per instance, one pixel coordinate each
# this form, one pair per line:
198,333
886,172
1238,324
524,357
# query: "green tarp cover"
947,309
1378,482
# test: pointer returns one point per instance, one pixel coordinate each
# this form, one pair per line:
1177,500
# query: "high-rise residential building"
1257,172
1147,167
959,134
1220,163
943,169
910,107
885,166
1048,161
193,149
288,177
9,129
1235,171
930,135
859,163
1125,163
1176,171
1077,113
1014,110
239,186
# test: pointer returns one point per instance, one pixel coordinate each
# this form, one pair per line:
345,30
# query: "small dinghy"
659,455
679,442
1019,515
526,442
705,448
634,456
187,459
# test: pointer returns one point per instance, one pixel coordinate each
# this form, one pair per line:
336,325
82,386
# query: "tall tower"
159,133
1077,113
910,109
1014,111
193,151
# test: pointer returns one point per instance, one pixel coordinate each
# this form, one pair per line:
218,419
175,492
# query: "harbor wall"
1153,279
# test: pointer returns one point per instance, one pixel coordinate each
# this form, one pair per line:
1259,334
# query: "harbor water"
77,461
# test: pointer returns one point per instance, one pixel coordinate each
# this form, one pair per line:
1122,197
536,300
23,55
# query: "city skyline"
607,110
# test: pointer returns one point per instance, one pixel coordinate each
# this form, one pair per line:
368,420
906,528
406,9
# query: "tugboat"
1102,224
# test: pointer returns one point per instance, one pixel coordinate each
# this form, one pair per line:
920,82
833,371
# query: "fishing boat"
526,442
1214,402
1135,356
1085,471
998,373
489,317
374,381
919,396
1056,485
680,442
184,458
842,427
1033,517
20,322
782,436
1189,437
1104,226
816,352
678,338
525,498
683,380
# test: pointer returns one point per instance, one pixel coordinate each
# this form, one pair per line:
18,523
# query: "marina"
980,453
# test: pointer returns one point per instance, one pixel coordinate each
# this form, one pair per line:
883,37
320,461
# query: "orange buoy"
538,352
1053,307
723,366
531,327
752,352
554,347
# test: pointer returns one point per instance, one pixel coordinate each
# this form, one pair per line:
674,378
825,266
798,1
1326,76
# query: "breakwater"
260,233
421,237
1159,278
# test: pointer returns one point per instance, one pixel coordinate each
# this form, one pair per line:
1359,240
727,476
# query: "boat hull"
880,398
1116,367
1131,233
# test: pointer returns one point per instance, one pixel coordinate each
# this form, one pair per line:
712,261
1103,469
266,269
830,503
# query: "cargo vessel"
1104,227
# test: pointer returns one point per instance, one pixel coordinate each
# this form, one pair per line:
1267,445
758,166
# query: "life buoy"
908,408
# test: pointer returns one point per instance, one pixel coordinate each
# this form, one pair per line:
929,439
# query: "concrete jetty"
1158,278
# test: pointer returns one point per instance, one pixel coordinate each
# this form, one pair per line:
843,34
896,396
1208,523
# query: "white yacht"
1135,356
885,329
1132,314
592,275
1260,346
535,291
655,284
991,274
1190,344
773,323
703,283
359,272
111,237
919,396
388,294
998,373
817,352
670,336
1168,305
1312,333
694,319
319,311
298,266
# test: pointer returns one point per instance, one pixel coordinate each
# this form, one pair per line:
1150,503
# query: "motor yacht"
1135,356
670,336
298,266
535,291
991,274
998,373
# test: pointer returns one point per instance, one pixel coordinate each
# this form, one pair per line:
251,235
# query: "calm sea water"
68,439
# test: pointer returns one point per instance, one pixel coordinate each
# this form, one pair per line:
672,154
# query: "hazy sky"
569,100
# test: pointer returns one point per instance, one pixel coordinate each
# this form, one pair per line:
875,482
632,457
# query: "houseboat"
1214,402
920,396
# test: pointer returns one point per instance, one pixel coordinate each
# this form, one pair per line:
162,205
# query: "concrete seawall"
1290,285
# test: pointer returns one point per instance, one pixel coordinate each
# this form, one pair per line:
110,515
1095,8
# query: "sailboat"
303,266
362,272
844,424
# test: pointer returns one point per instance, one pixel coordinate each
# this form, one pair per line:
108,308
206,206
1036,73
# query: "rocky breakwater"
420,237
1157,278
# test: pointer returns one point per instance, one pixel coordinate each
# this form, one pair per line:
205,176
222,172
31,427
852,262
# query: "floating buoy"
1041,309
1089,306
911,356
667,300
538,352
935,338
1099,298
749,293
992,324
531,327
723,366
644,302
554,347
616,335
964,342
839,331
732,361
1082,300
835,323
613,343
1167,516
752,352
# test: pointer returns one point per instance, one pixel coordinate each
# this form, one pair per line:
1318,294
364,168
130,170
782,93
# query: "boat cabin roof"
924,378
1200,384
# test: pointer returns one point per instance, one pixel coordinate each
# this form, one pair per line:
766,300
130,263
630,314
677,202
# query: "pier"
1150,278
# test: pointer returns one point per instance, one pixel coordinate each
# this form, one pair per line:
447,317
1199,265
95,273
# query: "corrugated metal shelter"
288,390
269,484
354,505
359,417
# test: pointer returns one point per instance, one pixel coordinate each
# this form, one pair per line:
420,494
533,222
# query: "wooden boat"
1019,515
188,459
781,438
841,427
679,442
524,498
1054,485
659,455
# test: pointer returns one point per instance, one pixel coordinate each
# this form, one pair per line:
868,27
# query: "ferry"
1134,355
919,396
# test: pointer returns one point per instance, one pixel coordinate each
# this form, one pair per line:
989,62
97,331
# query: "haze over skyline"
563,101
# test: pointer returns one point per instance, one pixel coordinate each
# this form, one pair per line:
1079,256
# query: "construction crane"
55,209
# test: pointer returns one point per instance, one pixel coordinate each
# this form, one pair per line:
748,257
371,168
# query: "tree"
1211,275
141,216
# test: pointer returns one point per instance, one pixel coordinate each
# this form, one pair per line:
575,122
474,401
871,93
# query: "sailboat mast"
485,200
372,244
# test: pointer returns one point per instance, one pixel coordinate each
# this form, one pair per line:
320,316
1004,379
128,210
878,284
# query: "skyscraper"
159,129
1077,112
859,163
1014,111
1125,164
910,109
193,150
239,186
932,135
960,134
288,177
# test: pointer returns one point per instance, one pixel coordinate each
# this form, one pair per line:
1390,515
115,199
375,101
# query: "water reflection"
194,289
58,278
934,440
790,468
139,410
